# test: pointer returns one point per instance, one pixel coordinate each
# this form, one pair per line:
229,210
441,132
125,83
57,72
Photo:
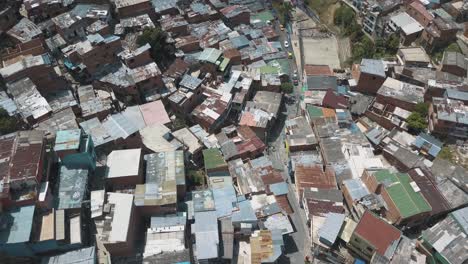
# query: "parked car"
286,44
281,27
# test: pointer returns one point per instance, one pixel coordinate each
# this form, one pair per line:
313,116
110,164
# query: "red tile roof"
247,119
377,232
333,100
318,70
231,53
321,208
417,6
177,68
283,202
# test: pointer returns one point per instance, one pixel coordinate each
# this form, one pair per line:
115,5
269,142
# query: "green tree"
8,124
422,109
416,123
287,87
197,177
161,51
344,16
284,11
363,49
392,44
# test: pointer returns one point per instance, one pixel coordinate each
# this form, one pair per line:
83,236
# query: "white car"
286,44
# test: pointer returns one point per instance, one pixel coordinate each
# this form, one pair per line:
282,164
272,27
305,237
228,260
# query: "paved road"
297,243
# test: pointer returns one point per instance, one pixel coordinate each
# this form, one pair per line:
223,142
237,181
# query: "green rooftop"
264,16
213,158
314,111
269,69
284,66
398,186
224,64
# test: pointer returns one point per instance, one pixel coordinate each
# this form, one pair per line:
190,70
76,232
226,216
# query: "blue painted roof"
161,5
225,200
240,42
428,141
205,229
461,215
343,90
376,134
458,95
271,209
19,225
67,139
356,188
95,38
245,213
279,188
343,115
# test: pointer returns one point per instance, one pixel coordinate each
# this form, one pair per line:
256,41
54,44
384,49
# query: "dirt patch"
329,16
323,51
344,49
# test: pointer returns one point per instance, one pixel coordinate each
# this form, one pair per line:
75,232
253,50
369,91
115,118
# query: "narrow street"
297,244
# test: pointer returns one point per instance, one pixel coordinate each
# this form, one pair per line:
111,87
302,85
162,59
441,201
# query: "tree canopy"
422,109
362,45
287,87
417,121
161,51
8,124
284,11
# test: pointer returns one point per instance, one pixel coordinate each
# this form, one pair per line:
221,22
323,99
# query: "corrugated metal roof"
205,229
169,220
448,237
71,187
80,256
246,214
422,142
225,200
190,82
461,216
374,67
67,139
329,231
279,188
356,188
203,200
210,55
63,120
279,222
98,132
